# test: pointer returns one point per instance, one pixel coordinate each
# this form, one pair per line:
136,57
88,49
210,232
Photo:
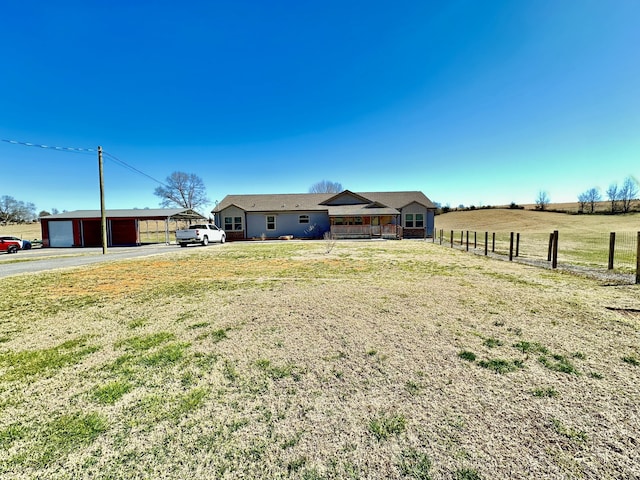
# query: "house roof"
146,213
386,202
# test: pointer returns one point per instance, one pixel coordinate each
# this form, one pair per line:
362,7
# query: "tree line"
619,196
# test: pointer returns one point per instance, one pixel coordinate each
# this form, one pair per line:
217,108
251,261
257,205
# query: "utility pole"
103,215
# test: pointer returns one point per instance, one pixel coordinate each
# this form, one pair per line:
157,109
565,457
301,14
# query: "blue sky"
472,102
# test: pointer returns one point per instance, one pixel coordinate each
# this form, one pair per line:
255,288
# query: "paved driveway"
42,259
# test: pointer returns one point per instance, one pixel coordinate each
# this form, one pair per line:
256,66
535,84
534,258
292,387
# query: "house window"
303,219
232,223
414,220
271,222
408,220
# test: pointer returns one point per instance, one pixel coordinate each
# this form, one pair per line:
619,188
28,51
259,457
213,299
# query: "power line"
86,151
132,168
49,147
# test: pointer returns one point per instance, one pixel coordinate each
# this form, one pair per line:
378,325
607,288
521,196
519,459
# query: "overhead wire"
90,151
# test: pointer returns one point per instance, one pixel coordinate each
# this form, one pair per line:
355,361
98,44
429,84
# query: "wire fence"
610,253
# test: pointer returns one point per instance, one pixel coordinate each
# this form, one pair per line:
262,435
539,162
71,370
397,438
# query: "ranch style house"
392,215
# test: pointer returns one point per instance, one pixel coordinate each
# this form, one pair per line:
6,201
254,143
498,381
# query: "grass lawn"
396,359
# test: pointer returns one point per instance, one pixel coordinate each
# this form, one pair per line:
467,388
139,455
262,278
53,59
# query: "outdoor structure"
82,228
310,215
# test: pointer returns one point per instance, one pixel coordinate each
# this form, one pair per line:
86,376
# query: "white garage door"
61,233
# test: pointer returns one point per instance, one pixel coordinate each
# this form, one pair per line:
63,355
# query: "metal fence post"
612,248
511,247
486,243
554,259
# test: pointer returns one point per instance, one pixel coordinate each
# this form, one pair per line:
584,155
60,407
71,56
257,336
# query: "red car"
9,246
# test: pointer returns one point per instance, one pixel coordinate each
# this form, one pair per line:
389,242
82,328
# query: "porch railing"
366,231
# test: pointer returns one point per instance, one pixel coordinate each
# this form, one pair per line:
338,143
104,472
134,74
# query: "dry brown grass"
264,360
28,231
528,221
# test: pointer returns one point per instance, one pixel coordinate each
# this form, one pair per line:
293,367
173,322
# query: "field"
286,360
583,239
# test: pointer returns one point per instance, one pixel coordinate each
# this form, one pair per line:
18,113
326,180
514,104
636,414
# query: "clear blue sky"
472,102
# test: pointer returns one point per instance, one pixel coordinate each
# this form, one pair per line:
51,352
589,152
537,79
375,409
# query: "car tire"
183,244
12,249
205,241
222,239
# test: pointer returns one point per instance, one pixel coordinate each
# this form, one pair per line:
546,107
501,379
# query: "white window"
408,220
303,219
414,220
232,223
271,222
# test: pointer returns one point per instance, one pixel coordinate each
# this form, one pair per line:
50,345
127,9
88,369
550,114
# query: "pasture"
383,359
584,240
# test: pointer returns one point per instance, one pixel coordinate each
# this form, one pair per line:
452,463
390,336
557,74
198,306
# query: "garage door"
61,233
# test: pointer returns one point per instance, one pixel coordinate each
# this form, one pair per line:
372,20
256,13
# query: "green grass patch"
549,392
45,362
499,365
559,363
568,432
384,426
467,355
631,360
111,392
466,474
146,342
415,464
59,437
165,355
492,342
530,347
277,372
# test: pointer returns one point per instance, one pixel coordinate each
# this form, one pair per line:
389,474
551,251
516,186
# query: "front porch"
393,232
384,226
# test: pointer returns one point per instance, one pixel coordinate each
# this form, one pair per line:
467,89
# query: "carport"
82,228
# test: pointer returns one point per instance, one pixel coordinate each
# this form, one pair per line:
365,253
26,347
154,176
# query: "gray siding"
288,224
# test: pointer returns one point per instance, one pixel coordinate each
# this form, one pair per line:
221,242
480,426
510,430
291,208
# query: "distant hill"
527,220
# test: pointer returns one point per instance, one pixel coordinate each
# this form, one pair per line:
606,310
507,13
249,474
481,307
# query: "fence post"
550,247
467,240
517,244
511,247
493,243
475,240
638,260
461,238
451,238
486,243
612,248
554,259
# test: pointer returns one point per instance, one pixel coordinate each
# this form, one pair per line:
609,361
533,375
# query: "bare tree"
592,197
14,211
184,190
627,193
326,186
613,195
542,200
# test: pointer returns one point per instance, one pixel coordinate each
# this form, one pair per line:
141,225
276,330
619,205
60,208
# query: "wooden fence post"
517,244
554,259
461,238
493,243
467,240
511,247
612,248
550,247
638,260
451,238
475,240
486,243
